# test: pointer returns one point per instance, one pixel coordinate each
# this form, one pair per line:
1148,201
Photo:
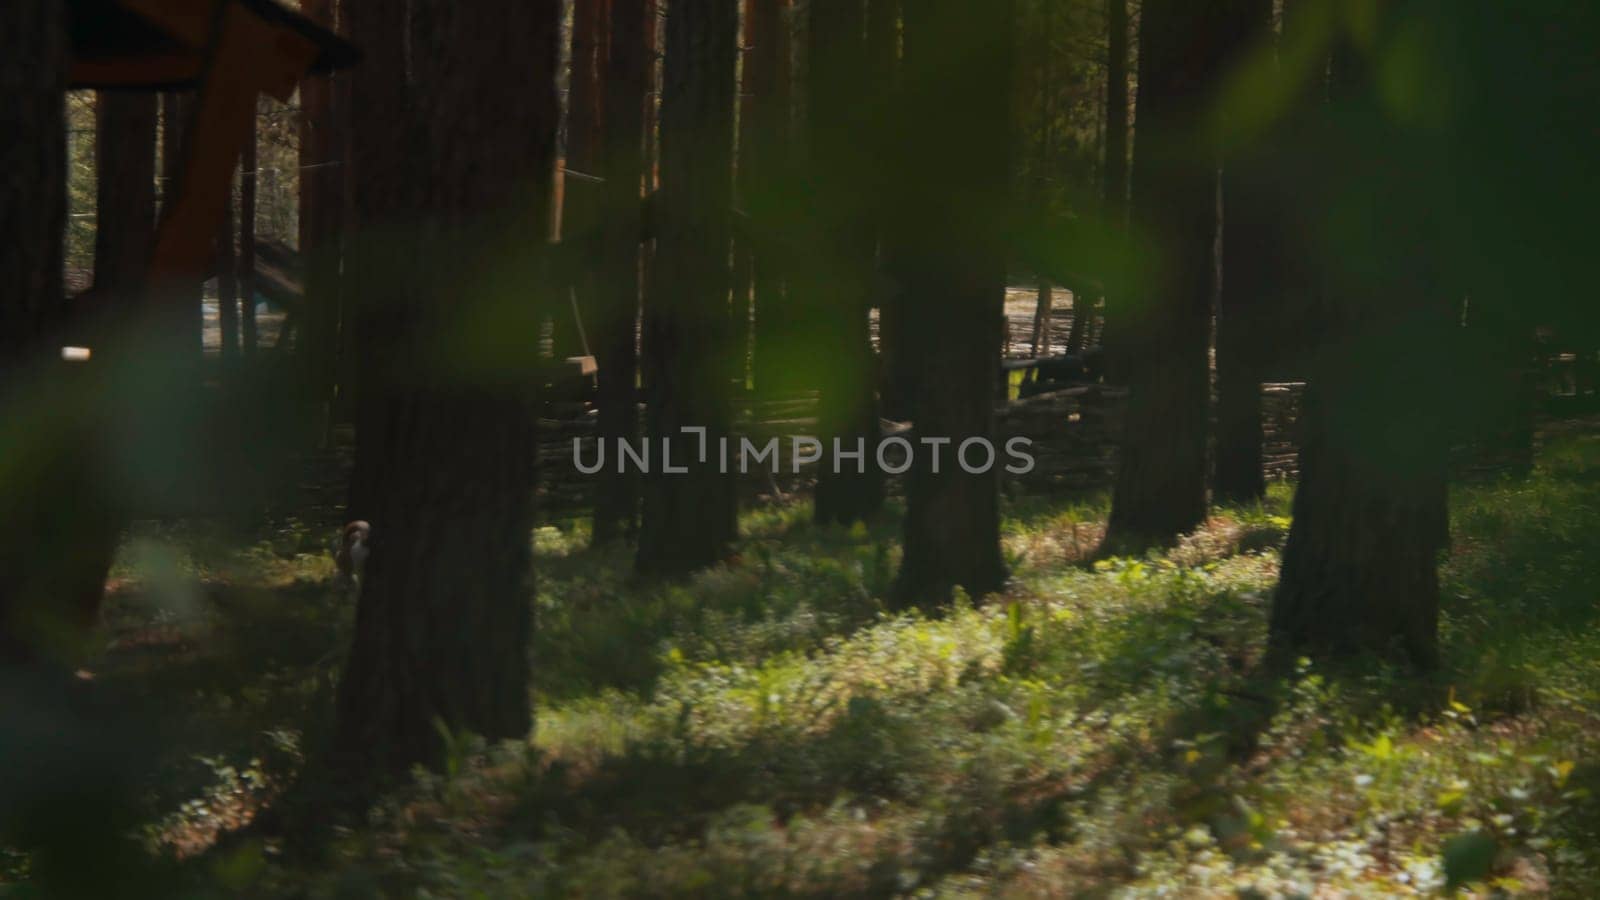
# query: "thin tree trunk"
1115,183
690,519
1082,313
177,109
227,286
839,270
952,203
1161,479
320,199
896,362
247,244
617,303
763,168
445,614
580,197
125,161
1041,319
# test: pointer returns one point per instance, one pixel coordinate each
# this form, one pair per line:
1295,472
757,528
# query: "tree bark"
227,286
763,167
580,197
125,162
321,197
690,519
838,274
36,529
1161,480
380,194
1115,184
617,300
951,199
176,110
896,363
445,615
1250,283
1359,574
247,245
1041,319
1360,567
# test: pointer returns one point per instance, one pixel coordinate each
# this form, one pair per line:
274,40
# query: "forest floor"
768,729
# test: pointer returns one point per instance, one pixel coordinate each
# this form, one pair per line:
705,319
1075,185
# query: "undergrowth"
769,729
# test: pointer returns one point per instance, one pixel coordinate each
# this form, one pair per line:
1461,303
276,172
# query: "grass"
770,730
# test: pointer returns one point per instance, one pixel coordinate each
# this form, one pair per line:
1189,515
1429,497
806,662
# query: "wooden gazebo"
229,52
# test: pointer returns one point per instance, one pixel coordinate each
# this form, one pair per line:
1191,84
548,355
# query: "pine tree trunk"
125,162
763,162
380,191
227,286
1360,568
188,316
1041,319
445,615
247,245
1115,179
1250,283
1166,323
320,201
896,364
35,529
838,275
951,196
617,303
690,519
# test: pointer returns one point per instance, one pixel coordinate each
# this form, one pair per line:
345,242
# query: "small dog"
351,551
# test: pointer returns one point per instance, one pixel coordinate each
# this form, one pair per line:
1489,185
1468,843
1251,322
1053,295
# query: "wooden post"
247,243
227,287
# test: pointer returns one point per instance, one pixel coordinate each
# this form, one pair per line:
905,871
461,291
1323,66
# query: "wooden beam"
137,71
250,57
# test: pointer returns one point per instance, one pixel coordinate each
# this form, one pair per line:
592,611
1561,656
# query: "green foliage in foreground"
768,730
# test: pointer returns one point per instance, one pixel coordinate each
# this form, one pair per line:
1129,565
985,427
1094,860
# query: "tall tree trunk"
838,276
1359,572
1360,567
176,110
320,201
1041,318
617,301
380,197
690,519
1250,281
125,162
764,162
227,286
580,196
247,244
761,131
37,529
1115,184
952,197
445,614
1161,480
897,363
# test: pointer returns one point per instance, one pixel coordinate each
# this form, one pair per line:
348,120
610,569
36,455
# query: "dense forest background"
327,333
